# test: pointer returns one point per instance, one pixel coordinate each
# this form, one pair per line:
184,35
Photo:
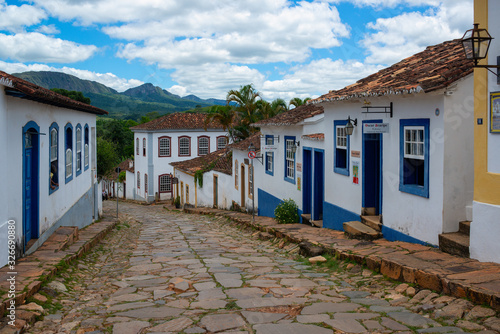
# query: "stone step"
373,222
62,238
306,218
358,230
464,227
455,243
317,223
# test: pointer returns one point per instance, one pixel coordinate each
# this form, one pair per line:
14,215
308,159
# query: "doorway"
372,172
216,192
243,186
319,184
31,181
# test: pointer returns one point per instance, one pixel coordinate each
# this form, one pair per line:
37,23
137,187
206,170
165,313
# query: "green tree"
297,101
246,99
77,96
107,157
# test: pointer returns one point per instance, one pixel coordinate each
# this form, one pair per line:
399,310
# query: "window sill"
292,181
421,191
342,171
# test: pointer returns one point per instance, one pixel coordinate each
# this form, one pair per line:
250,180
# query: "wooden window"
184,146
164,146
165,183
221,142
203,145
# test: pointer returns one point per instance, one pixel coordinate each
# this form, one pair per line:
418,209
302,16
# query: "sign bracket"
386,110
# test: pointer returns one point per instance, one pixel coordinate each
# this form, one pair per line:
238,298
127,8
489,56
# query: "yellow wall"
486,185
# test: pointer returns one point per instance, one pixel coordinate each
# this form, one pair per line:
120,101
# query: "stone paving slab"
428,267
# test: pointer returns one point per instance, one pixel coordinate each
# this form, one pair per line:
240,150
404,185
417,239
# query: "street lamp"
476,43
349,127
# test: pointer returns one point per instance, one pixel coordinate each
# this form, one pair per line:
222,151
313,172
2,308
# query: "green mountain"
133,103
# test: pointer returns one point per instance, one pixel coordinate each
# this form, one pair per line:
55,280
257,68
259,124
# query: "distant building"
115,188
171,138
48,164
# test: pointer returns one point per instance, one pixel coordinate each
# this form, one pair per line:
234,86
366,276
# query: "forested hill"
132,103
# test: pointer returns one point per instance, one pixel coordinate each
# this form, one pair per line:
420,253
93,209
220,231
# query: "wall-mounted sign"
375,127
252,154
298,184
495,112
355,172
299,167
356,154
269,147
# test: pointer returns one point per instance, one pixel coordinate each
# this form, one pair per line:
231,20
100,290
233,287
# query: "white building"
171,138
245,184
48,165
293,162
409,160
123,189
205,181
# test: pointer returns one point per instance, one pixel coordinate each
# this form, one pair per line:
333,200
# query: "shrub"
287,212
177,202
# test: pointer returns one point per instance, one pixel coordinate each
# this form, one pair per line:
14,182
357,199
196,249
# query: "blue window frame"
414,156
289,159
269,156
78,141
68,152
86,147
53,158
341,148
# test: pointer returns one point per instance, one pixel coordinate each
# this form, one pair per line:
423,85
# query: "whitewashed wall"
4,181
54,206
239,157
155,166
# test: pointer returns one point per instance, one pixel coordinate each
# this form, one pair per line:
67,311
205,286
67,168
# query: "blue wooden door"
307,182
319,185
28,212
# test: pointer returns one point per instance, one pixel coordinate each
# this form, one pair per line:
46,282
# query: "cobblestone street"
164,271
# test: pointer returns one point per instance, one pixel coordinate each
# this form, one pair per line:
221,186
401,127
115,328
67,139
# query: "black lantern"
476,43
349,127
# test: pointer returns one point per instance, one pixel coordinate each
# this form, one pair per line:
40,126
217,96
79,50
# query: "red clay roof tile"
178,121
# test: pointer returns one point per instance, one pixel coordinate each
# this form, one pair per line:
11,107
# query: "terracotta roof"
244,144
220,160
315,136
17,87
434,68
124,165
292,116
178,121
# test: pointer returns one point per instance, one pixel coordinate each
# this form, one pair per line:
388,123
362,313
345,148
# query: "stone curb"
405,262
88,238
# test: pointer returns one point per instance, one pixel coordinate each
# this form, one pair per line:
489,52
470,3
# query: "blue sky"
204,47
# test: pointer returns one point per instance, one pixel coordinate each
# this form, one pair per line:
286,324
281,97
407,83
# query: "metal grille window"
164,147
165,183
78,149
269,156
290,159
86,147
221,142
184,146
203,145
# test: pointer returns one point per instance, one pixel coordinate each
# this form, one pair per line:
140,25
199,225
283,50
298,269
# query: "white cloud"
15,18
222,35
48,30
29,47
107,79
401,36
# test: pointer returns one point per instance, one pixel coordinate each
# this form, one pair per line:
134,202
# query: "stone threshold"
425,266
43,264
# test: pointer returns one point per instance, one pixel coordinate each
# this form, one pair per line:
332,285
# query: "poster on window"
495,112
355,172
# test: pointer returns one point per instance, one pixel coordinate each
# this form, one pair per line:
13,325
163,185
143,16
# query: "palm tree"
246,98
297,101
224,115
267,110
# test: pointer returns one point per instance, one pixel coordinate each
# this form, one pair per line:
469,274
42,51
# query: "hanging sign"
269,147
375,127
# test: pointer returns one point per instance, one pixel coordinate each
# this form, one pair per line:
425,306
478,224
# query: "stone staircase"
369,228
306,219
456,243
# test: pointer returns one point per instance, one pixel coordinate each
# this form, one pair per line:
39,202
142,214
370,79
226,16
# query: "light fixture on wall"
476,43
294,146
349,127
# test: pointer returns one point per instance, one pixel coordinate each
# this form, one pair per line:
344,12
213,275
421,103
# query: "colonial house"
485,227
116,187
171,138
205,181
247,173
399,148
48,165
293,162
